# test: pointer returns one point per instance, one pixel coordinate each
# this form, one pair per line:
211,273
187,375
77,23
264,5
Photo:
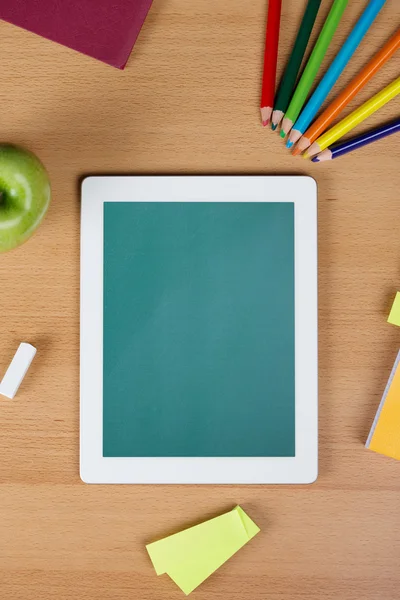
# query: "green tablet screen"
198,343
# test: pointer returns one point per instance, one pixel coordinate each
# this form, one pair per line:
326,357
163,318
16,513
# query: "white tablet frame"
303,468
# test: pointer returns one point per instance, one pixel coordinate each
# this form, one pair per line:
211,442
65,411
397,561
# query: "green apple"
24,195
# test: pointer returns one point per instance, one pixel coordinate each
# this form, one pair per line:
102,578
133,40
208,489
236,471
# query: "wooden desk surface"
188,103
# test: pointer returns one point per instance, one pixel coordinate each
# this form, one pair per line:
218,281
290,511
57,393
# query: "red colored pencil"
270,59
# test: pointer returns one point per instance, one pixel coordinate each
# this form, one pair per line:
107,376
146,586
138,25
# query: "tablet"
198,330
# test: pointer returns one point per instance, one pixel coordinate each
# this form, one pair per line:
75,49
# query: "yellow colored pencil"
354,118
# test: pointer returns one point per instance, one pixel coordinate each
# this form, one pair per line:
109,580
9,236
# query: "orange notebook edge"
383,400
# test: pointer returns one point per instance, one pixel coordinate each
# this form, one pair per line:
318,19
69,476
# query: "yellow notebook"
384,436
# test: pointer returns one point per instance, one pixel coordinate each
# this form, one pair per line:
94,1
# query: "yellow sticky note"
192,555
394,316
384,436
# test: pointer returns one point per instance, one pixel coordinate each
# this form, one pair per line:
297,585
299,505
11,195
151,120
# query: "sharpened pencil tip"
289,144
265,123
306,155
282,134
315,159
274,126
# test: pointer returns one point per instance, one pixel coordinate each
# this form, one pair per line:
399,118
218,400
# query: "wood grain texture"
188,102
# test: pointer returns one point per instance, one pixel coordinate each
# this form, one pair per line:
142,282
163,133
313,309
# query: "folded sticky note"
394,316
384,436
192,555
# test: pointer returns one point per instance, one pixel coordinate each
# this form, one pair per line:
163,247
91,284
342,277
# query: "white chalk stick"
17,370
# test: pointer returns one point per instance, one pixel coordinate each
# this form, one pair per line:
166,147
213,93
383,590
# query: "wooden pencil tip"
323,156
294,136
282,134
303,144
289,144
276,118
266,113
296,151
287,125
313,150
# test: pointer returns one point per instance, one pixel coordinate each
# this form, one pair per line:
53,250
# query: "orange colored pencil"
356,84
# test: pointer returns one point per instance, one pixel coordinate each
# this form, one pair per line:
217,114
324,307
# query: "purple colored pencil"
358,142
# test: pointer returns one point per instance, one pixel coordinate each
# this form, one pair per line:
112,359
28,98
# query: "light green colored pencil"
314,63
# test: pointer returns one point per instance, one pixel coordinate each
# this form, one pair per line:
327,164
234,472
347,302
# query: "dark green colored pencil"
292,69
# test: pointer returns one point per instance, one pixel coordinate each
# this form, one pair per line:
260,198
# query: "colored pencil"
335,70
313,64
293,66
356,84
270,59
355,118
358,142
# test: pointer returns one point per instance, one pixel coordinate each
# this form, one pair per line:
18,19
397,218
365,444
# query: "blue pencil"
335,70
358,142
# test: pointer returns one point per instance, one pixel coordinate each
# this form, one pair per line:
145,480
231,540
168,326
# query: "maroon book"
104,29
